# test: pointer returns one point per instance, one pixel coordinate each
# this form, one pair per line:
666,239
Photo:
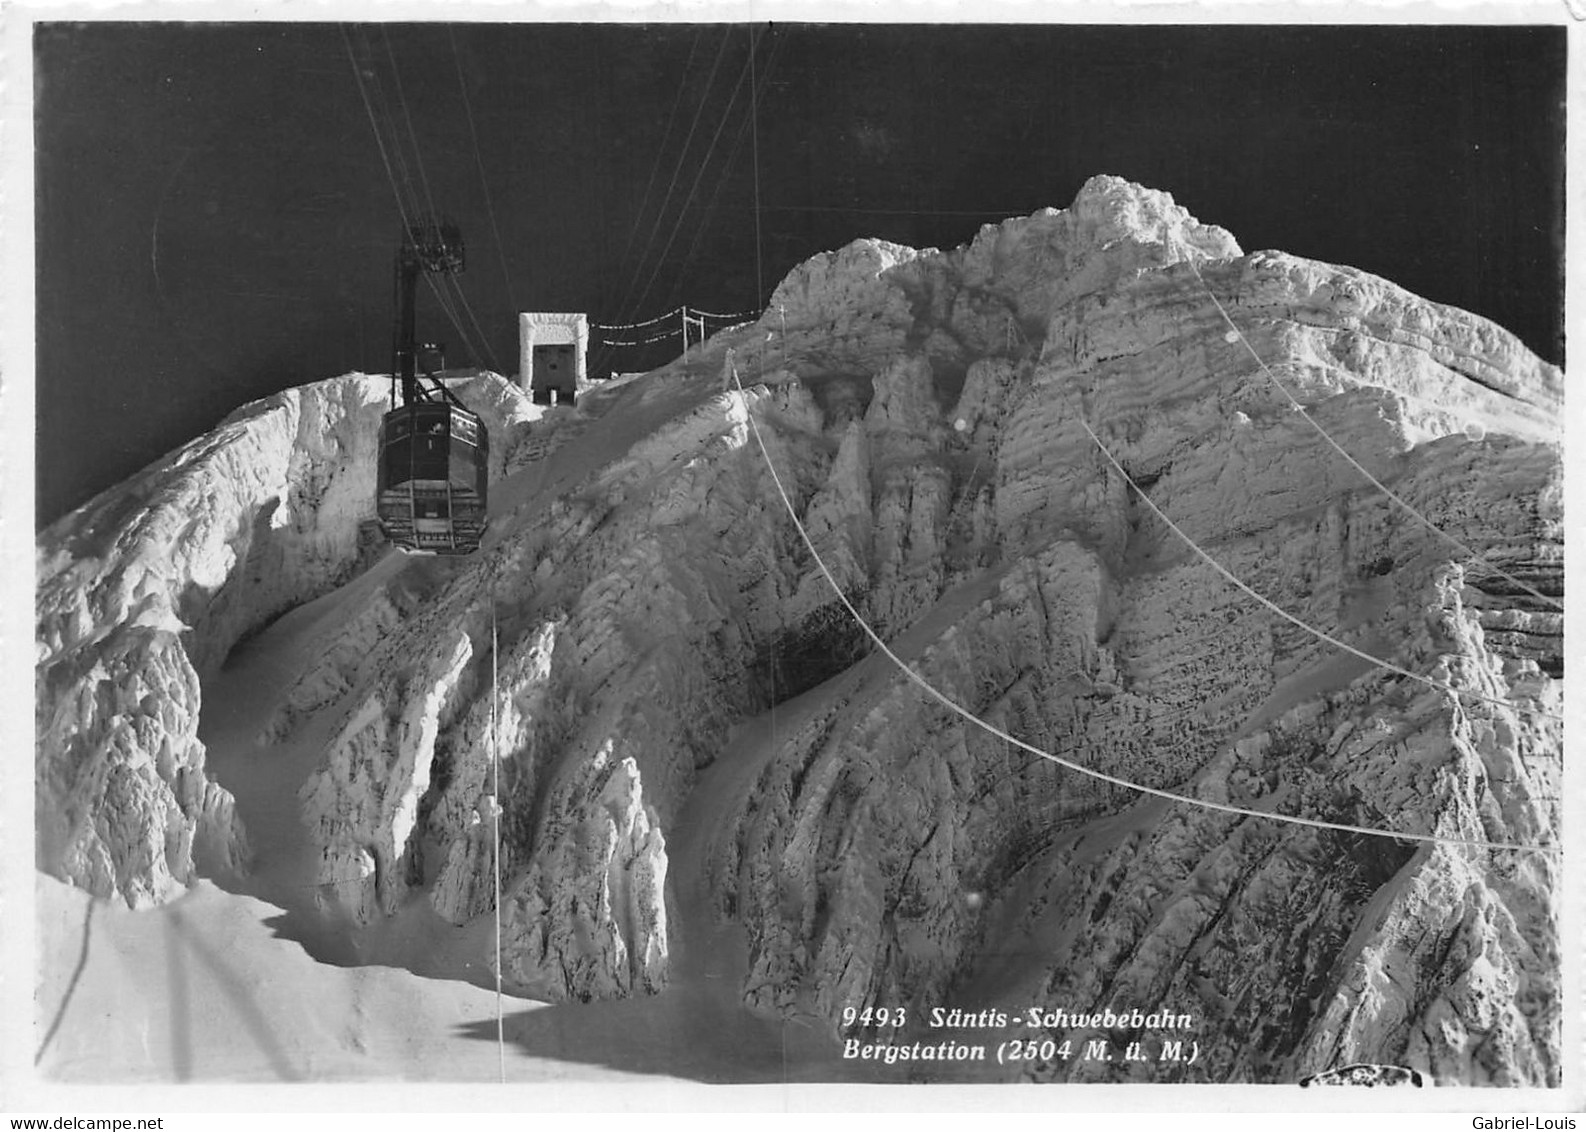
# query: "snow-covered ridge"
923,411
149,586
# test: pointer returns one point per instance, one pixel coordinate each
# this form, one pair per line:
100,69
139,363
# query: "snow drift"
648,596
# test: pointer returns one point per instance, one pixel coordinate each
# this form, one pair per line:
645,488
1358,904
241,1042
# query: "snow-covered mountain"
695,733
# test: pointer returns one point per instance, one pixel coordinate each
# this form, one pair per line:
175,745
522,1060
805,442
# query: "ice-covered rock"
926,415
588,918
147,587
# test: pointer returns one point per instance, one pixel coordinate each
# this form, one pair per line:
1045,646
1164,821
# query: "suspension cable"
1320,634
396,189
1548,849
484,338
479,161
754,130
412,199
1356,464
749,122
729,317
480,353
495,818
418,150
374,126
635,325
449,307
694,187
624,308
661,337
660,152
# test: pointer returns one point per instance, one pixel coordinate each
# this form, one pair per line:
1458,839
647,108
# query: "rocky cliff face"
923,412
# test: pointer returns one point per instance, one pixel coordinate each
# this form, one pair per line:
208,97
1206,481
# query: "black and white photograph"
778,558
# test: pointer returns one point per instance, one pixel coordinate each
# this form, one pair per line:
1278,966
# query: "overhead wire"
1356,464
971,717
625,307
660,153
754,119
1079,768
661,337
407,209
418,151
749,123
687,259
386,157
449,308
1320,634
729,317
1000,213
495,228
704,164
479,161
635,325
495,821
480,351
457,286
692,317
412,202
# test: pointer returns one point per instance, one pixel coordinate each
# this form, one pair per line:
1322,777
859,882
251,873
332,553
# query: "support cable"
660,153
415,204
443,298
750,120
624,308
693,188
754,131
484,338
418,152
480,353
374,126
635,325
1356,464
1172,796
495,819
741,315
477,352
396,189
661,337
479,162
1319,634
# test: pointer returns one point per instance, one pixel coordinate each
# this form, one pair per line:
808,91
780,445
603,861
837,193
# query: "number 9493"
875,1017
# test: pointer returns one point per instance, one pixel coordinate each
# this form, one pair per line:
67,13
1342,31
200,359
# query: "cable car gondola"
434,453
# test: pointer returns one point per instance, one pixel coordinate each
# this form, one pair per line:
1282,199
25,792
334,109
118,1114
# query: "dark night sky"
214,221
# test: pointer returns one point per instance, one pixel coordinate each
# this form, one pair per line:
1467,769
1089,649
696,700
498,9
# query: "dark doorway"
555,368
